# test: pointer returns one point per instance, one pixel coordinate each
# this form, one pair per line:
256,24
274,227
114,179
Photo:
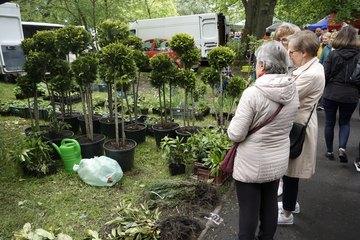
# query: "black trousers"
290,192
257,201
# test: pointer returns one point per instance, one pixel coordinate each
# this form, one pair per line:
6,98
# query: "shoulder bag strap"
267,121
310,116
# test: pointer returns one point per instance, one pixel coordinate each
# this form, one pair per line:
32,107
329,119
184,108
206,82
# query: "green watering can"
70,153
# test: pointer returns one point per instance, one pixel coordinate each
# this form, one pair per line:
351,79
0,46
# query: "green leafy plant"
174,150
208,147
33,154
134,222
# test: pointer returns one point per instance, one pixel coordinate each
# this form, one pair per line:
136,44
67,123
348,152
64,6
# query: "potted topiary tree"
210,76
137,131
75,40
118,62
219,58
85,73
163,72
110,31
184,45
234,90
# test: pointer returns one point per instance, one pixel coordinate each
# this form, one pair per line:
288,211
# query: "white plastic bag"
99,171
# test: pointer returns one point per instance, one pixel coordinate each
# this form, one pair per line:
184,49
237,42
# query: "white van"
11,34
209,30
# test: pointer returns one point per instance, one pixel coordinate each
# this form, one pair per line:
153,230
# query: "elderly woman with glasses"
283,31
310,81
262,157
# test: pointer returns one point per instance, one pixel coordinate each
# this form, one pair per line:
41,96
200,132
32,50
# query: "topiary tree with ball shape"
219,58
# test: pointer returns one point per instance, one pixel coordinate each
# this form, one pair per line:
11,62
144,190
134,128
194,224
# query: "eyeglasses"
292,52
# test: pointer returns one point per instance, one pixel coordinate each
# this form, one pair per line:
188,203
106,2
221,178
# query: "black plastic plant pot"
176,169
123,154
107,127
137,134
96,124
163,130
90,149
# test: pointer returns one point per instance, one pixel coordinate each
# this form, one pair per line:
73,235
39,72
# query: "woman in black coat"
340,94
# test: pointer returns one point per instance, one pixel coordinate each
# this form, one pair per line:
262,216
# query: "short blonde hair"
284,30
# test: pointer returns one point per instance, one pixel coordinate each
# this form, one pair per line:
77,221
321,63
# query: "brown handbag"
227,164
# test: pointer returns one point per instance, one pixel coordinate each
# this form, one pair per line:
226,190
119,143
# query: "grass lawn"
63,202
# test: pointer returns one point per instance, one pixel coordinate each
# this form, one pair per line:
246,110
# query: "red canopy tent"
332,25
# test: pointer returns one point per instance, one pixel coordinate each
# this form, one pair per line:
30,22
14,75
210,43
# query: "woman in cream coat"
262,158
310,82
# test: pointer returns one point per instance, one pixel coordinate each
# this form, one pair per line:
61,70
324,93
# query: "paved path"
329,201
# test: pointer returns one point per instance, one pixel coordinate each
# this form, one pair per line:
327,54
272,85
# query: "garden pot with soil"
185,132
107,127
96,124
56,137
162,130
90,149
123,154
72,120
136,132
42,129
177,169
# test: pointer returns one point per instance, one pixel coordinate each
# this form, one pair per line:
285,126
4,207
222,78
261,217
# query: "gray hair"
274,56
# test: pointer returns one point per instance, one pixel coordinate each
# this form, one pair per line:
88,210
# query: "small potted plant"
175,152
207,149
34,156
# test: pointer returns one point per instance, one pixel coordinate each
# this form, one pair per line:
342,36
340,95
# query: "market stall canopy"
323,23
327,22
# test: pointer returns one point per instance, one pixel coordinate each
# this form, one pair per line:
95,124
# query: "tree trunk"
259,15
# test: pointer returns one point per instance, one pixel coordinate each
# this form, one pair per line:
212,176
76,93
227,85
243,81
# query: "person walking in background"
340,94
263,156
310,81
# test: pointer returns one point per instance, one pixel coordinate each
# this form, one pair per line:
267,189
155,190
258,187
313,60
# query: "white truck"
11,34
209,30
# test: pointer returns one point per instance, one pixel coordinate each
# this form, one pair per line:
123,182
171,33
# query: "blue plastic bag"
99,171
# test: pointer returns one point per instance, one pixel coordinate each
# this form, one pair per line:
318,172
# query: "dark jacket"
339,65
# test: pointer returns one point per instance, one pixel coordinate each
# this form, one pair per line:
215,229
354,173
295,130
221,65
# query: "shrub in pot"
163,72
85,73
34,156
175,152
119,65
219,58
